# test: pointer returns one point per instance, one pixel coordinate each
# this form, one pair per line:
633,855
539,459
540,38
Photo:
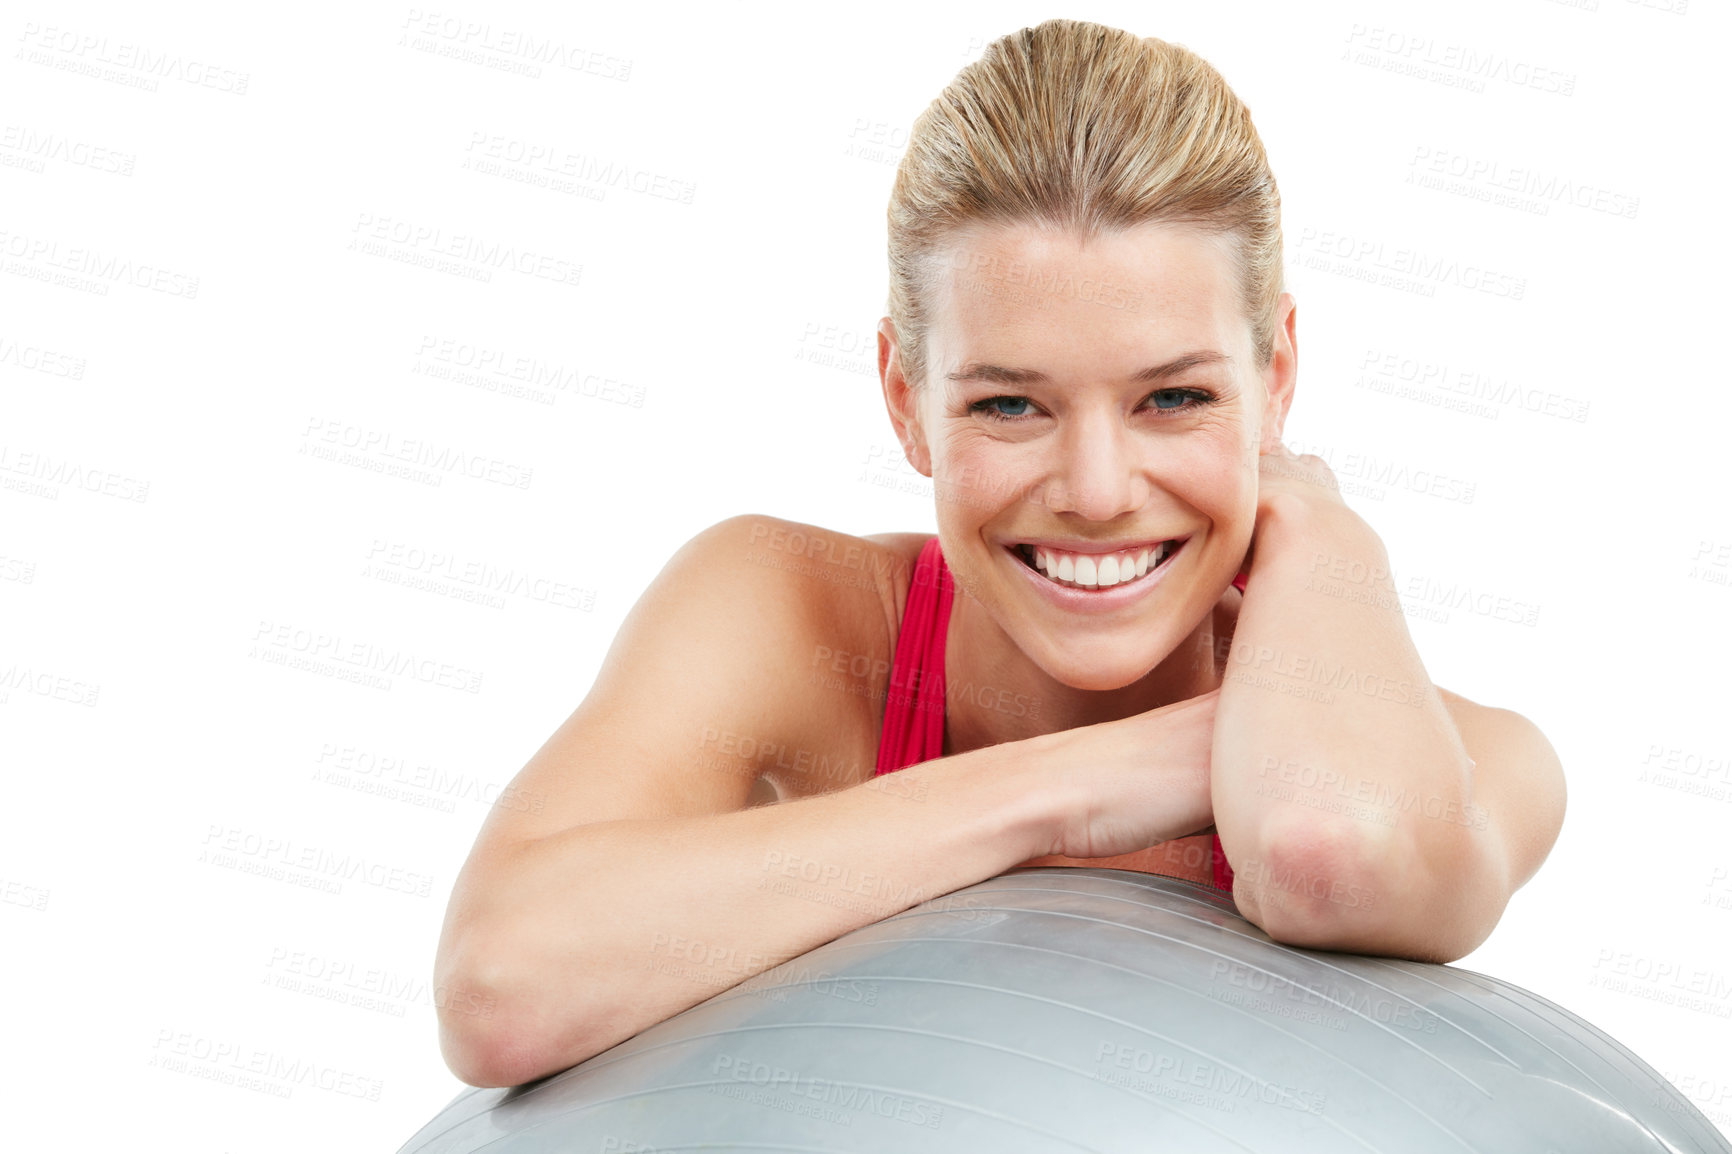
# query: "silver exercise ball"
1065,1009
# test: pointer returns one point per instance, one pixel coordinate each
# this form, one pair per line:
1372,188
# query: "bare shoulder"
855,589
847,594
720,691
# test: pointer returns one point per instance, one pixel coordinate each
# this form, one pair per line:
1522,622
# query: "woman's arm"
588,936
1361,807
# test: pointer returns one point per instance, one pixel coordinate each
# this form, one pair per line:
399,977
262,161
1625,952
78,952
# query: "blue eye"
1181,395
981,407
1183,400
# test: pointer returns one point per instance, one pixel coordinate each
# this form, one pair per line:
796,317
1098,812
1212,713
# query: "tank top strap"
914,701
1223,872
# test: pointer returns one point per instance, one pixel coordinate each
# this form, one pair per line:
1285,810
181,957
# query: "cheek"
1216,475
978,472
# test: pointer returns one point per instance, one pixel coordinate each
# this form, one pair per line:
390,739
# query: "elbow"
1310,886
490,1034
1337,886
488,1056
478,1060
492,1064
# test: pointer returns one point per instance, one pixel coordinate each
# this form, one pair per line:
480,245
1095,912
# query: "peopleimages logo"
45,473
282,859
93,55
40,254
235,1063
424,244
273,642
829,1092
385,446
1367,258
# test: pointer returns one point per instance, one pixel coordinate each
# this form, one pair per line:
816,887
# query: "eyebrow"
983,371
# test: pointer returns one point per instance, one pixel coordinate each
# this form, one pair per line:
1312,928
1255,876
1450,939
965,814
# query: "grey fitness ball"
1067,1009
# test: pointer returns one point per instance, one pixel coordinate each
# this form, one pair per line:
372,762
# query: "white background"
170,539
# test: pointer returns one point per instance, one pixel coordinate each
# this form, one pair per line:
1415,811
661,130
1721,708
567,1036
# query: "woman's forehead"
1149,249
1006,292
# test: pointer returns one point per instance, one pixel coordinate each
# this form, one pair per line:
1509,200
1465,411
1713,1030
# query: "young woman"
1146,636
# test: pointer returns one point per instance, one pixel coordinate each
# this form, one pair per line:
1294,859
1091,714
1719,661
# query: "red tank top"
914,702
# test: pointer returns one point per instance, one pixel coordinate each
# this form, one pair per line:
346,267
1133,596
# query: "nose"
1098,473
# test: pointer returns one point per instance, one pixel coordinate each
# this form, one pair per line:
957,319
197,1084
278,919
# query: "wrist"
1030,787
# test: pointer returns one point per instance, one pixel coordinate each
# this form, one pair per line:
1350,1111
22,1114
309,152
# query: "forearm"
1342,790
593,934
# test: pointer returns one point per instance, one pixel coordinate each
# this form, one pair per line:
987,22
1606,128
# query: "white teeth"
1098,572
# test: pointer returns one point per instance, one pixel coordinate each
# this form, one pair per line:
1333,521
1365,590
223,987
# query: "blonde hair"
1078,126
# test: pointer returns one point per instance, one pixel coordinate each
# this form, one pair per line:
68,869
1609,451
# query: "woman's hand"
1131,783
1283,475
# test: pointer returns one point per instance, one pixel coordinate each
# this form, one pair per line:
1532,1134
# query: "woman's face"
1129,412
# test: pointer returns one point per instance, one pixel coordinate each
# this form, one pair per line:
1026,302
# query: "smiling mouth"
1092,580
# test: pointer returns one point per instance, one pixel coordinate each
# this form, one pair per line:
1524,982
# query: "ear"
1281,375
902,400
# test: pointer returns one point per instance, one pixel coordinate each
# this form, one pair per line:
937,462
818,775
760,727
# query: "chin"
1094,685
1095,676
